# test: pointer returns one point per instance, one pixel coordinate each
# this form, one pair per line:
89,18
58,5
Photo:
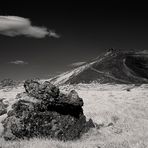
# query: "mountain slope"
114,66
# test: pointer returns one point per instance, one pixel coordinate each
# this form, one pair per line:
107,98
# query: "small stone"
110,124
3,107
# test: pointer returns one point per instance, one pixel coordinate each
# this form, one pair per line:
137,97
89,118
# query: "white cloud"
18,62
14,26
53,34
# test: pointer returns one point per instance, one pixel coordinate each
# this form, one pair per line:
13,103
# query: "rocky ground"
119,111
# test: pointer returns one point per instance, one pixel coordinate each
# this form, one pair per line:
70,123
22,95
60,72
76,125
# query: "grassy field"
121,116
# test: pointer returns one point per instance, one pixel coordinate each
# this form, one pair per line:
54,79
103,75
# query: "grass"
43,143
122,118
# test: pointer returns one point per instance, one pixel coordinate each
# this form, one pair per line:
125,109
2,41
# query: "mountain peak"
114,66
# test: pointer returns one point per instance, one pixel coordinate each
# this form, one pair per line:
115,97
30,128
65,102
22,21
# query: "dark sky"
86,30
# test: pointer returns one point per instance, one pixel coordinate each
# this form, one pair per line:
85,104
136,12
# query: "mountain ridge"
113,66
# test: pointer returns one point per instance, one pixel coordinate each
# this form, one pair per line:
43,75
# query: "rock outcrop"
43,111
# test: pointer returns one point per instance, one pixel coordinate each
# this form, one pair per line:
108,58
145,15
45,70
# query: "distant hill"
113,66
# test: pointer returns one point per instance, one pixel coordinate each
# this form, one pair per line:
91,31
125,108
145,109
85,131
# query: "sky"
43,40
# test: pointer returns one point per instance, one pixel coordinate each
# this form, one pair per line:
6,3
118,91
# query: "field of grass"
121,117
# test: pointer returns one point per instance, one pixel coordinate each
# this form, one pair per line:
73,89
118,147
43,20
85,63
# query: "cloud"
18,62
15,26
53,34
76,64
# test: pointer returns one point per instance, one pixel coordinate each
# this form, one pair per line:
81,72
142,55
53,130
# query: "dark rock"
42,111
98,126
7,82
12,125
75,99
3,107
41,91
110,124
31,87
128,89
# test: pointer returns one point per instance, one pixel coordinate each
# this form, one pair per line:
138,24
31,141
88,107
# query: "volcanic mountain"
113,66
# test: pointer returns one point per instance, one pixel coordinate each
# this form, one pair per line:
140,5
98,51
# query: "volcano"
113,66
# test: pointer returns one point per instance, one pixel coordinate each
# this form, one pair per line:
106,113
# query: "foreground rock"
42,111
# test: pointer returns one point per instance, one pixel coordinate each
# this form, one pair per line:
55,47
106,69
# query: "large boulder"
43,111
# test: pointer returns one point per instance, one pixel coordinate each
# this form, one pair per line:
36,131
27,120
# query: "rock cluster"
7,82
43,111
